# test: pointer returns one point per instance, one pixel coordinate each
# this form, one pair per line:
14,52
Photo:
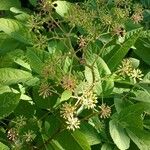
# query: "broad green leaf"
100,74
4,46
119,53
4,89
142,51
3,147
7,4
10,76
131,116
75,140
16,30
65,95
120,103
135,62
61,7
24,108
46,103
106,146
142,95
119,135
20,15
35,61
140,137
8,102
56,46
90,133
56,145
146,78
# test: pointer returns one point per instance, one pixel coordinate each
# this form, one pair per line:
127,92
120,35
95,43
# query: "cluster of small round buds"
12,135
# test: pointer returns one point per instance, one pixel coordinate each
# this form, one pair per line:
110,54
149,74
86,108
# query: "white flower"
136,74
67,111
89,100
73,123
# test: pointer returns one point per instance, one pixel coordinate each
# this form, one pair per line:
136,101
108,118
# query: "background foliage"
75,75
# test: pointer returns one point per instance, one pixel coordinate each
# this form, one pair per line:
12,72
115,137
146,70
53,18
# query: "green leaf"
46,103
119,135
3,147
8,102
142,51
120,103
4,89
61,7
33,2
35,61
7,4
100,74
131,116
142,95
16,30
119,53
106,146
65,95
10,76
56,145
90,133
140,137
67,64
75,140
4,46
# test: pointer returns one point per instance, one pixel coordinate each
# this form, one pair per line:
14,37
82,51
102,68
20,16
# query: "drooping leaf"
8,102
119,135
10,76
119,53
16,30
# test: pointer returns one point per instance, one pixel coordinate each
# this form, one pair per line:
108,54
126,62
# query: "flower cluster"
29,136
68,82
126,69
68,112
44,90
105,111
82,41
88,100
137,16
12,134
